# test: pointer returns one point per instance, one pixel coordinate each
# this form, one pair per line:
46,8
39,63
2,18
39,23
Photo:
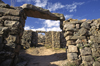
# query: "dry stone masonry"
12,21
29,39
51,39
82,37
83,41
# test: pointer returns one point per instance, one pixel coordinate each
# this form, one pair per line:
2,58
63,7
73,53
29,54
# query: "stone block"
68,33
95,39
12,39
10,11
4,5
85,25
85,51
72,48
71,29
14,30
76,22
68,37
75,37
78,26
72,56
12,24
95,45
13,18
95,53
71,42
78,41
4,29
87,58
98,59
81,32
96,63
10,47
78,37
69,26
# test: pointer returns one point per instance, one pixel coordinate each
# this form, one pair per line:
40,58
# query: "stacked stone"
29,39
83,41
62,40
68,33
55,39
12,21
48,39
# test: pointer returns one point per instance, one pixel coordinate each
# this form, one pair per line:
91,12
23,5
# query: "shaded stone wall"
62,40
12,21
29,39
83,41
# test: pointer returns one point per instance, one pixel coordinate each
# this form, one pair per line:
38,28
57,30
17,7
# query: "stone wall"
12,21
29,39
52,39
83,41
62,40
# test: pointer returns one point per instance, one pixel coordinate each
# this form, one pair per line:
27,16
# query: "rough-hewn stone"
85,36
72,48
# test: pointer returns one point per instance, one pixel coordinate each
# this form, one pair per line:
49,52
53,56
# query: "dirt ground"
42,56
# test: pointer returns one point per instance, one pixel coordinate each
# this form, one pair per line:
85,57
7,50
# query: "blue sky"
76,9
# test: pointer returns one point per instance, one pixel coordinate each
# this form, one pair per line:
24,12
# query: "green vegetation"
95,58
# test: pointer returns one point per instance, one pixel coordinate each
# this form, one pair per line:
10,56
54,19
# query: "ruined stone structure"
12,21
53,39
29,39
82,36
83,41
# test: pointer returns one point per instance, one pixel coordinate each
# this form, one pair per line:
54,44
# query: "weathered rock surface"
85,36
38,12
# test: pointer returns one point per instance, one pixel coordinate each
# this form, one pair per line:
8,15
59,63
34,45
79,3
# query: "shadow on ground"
42,60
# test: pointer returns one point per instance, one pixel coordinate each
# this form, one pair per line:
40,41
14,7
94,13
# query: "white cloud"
53,6
27,28
54,29
72,7
41,3
49,23
68,16
56,6
39,29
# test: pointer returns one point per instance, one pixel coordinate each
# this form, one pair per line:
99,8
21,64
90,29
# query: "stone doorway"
12,22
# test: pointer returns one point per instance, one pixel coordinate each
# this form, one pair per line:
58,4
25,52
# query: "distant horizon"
79,9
